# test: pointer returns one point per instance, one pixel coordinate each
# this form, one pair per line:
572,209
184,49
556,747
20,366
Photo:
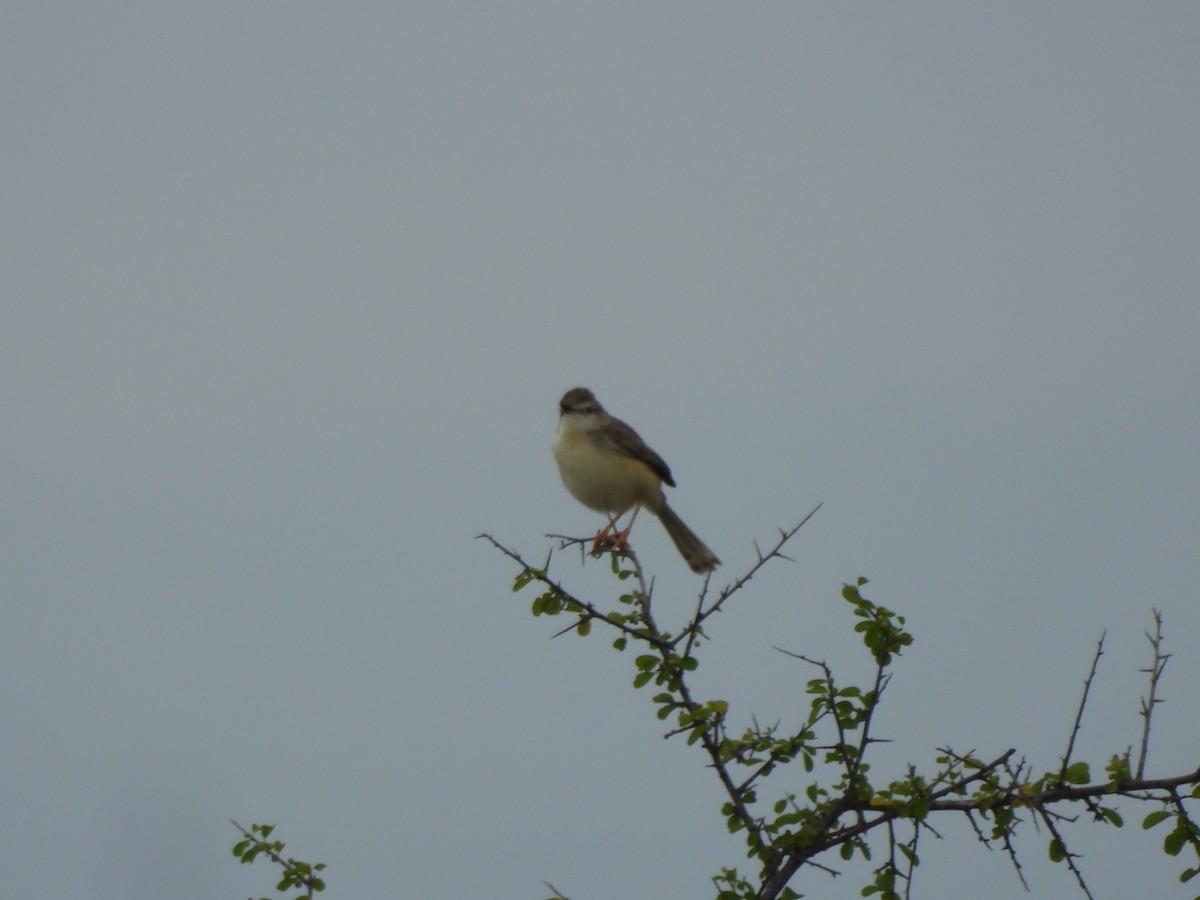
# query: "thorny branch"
785,535
1148,703
997,790
1087,686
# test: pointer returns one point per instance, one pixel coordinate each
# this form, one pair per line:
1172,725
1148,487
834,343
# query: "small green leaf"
1078,773
1057,852
642,678
620,643
1154,818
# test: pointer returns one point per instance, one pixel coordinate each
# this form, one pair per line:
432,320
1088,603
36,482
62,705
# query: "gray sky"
291,291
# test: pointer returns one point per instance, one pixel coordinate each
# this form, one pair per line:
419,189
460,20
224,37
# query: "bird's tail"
694,551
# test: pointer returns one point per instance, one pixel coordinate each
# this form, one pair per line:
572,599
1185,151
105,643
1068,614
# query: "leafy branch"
296,874
843,808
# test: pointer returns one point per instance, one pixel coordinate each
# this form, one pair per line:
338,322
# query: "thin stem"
1087,686
1155,671
785,535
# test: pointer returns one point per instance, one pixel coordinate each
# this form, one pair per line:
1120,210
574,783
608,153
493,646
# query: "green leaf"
1057,851
584,628
642,679
1174,842
1078,773
620,643
1155,818
1118,769
646,661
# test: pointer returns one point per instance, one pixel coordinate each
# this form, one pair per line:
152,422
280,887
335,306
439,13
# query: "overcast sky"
291,290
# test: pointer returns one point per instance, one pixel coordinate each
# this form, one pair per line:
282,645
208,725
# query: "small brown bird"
607,467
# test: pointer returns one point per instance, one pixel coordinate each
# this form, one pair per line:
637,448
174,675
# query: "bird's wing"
624,440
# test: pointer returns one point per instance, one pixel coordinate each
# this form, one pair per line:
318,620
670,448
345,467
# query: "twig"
1081,792
1155,671
912,865
785,535
593,611
1068,856
1087,686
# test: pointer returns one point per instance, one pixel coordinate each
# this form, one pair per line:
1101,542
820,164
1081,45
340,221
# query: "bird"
606,466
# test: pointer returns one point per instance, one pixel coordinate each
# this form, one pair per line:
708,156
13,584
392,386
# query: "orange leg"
603,537
609,538
620,538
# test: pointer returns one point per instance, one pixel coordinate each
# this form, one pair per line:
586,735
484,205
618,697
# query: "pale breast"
601,479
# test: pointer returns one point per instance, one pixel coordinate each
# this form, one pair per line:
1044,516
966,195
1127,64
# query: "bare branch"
1155,671
1087,686
785,535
